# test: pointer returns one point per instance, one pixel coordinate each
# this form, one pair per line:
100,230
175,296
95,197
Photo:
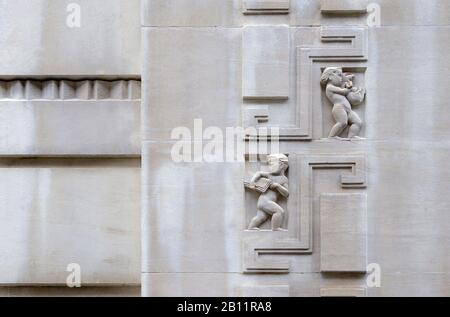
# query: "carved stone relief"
297,239
286,209
271,186
352,53
343,95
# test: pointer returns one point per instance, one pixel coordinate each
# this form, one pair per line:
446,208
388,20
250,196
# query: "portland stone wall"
349,197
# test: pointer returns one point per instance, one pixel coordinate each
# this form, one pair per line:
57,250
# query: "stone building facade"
96,94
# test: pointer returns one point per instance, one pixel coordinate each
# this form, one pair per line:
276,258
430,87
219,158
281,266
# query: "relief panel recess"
297,240
351,53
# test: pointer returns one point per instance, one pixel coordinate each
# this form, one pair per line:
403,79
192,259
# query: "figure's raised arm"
259,175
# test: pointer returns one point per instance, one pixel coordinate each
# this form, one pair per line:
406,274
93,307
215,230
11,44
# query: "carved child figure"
276,185
340,91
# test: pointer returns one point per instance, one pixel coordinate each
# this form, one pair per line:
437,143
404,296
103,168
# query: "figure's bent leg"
258,220
356,124
277,214
341,118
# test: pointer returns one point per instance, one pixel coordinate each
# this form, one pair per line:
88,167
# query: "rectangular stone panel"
344,6
204,225
43,38
200,81
343,229
56,211
265,62
194,13
266,6
69,127
342,292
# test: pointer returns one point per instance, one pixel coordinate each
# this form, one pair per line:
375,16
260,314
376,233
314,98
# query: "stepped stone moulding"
353,53
297,240
54,89
60,117
265,6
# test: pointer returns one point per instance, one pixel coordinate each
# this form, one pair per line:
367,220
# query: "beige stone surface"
344,6
343,292
414,12
204,237
73,128
417,284
190,12
265,62
40,43
60,211
177,92
343,233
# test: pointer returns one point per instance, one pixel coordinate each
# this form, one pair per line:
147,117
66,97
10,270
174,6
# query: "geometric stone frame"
298,239
307,57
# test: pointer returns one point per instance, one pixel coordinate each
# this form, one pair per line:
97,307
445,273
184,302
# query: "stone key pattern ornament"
298,240
54,89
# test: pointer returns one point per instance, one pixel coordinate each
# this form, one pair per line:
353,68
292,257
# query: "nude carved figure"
272,185
343,95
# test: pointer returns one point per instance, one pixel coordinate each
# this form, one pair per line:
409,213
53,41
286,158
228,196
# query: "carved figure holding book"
272,185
